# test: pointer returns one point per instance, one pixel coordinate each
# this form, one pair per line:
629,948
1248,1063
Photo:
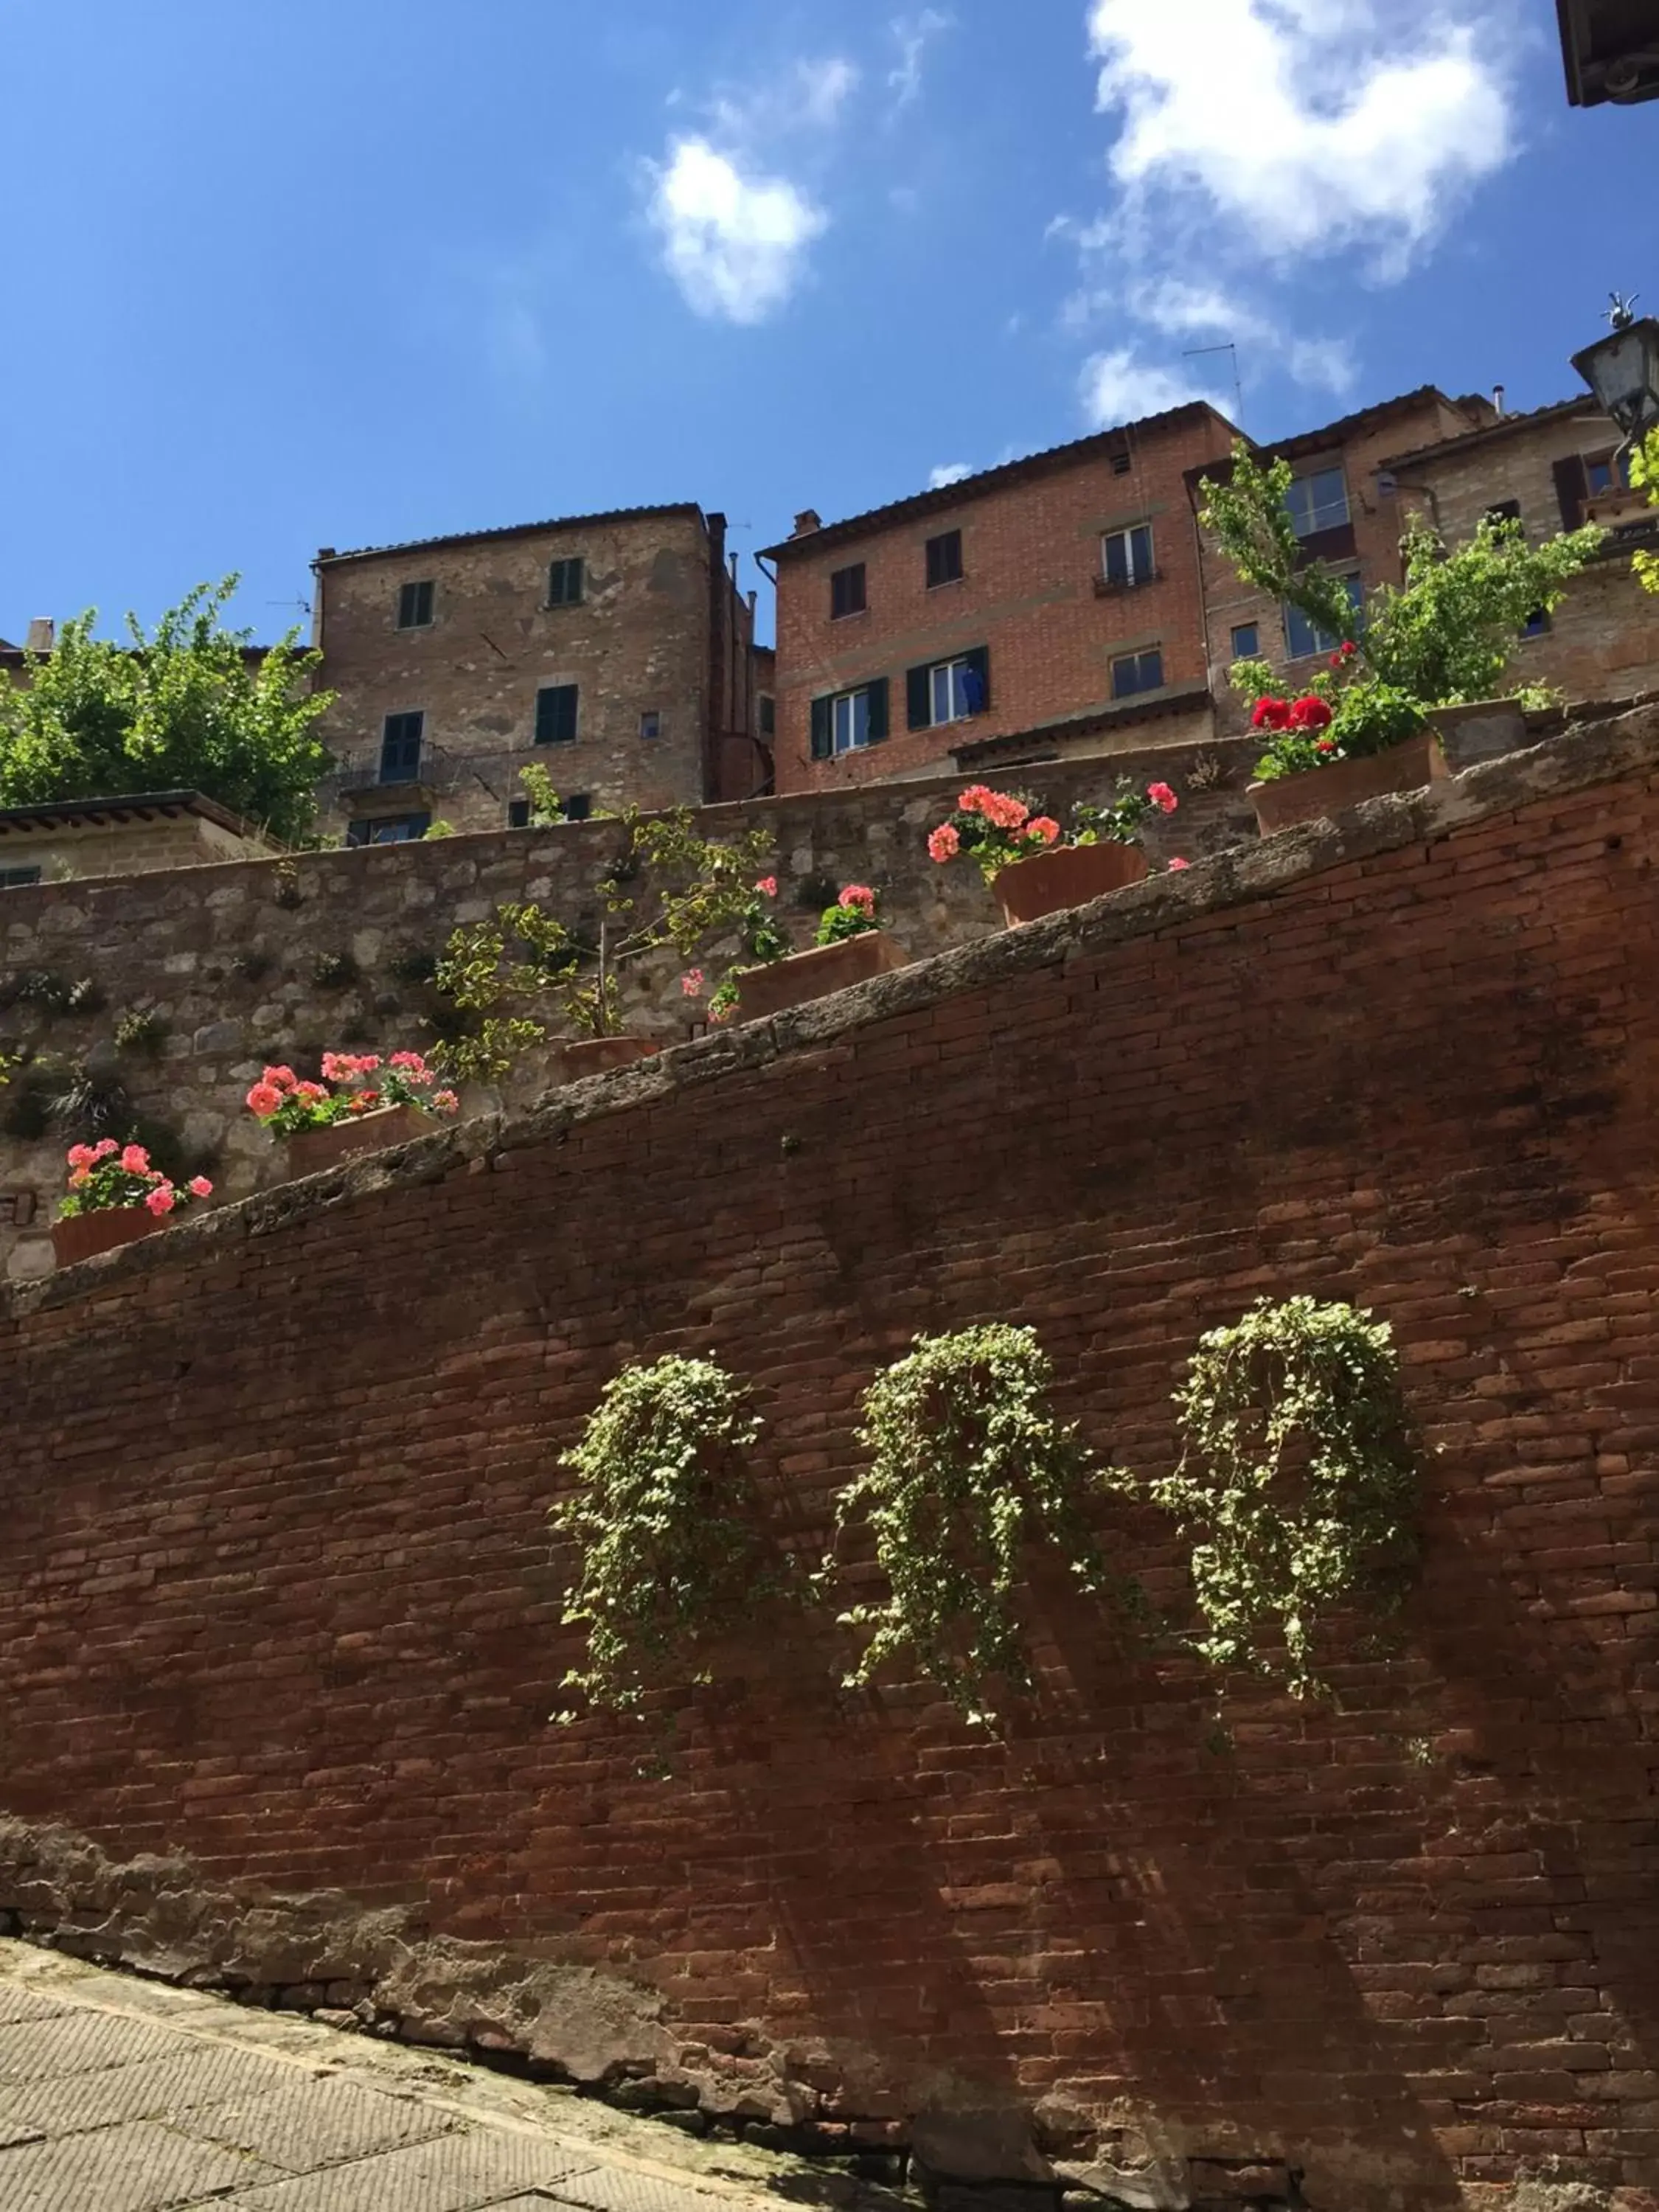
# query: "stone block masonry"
277,961
277,1606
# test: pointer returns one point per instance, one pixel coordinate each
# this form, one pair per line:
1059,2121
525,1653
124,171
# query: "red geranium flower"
1310,713
1270,714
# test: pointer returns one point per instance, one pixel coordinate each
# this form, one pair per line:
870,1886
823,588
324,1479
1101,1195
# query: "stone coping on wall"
1578,759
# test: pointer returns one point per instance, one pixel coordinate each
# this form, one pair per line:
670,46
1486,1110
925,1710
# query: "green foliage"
969,1466
664,886
666,1553
184,709
1446,635
1299,1476
1645,476
852,914
141,1031
546,807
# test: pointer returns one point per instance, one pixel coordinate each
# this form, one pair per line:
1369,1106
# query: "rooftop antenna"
1194,353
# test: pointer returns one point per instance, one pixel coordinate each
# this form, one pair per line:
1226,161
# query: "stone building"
69,838
1348,514
614,649
1047,607
1552,470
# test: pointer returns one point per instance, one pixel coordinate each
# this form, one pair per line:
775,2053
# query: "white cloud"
735,240
1180,308
1119,387
914,34
1310,124
808,97
953,472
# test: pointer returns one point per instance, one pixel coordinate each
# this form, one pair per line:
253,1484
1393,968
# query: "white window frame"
844,717
1134,572
1318,518
953,672
1321,643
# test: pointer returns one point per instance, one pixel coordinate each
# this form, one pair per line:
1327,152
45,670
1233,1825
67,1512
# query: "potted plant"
664,886
115,1195
363,1104
1413,655
852,947
1035,867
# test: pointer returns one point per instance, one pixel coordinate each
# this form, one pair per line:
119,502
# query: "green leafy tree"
1446,635
190,707
1645,475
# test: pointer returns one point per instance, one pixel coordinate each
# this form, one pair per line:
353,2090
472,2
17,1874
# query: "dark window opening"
1317,502
1246,640
1126,556
518,813
847,592
1504,510
388,830
1537,622
768,716
414,606
1137,671
578,807
400,747
1303,638
556,714
15,879
944,559
1121,463
650,724
564,583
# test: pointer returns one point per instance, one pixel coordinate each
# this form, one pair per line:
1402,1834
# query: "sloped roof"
1505,426
329,558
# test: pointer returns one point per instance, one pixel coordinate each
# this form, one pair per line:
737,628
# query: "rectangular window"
578,807
414,606
1319,502
556,714
1606,473
847,592
768,716
847,721
564,583
1504,510
651,726
1127,555
1536,625
400,747
948,691
944,559
1303,638
388,830
1121,463
15,879
1137,671
1246,640
518,813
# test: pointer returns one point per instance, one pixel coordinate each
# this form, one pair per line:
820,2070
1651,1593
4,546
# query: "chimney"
806,522
1498,401
43,634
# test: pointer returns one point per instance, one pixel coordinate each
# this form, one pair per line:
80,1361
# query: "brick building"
1348,514
616,649
1048,606
1552,470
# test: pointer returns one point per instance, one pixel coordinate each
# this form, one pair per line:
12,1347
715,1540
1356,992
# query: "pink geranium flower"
264,1100
944,844
859,895
1175,865
200,1186
162,1199
769,886
135,1160
445,1102
1162,798
79,1156
1044,828
691,984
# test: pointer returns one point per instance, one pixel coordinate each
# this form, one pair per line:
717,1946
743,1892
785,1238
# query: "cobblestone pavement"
119,2095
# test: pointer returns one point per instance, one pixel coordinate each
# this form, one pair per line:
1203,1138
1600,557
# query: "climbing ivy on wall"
969,1467
1298,1481
664,1524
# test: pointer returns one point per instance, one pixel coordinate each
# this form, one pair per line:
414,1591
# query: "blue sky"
342,272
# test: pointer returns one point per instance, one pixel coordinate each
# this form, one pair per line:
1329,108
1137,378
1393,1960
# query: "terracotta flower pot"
1319,791
592,1056
1072,876
313,1150
814,975
85,1235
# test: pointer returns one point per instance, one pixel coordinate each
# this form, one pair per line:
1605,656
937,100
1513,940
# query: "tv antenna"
1195,353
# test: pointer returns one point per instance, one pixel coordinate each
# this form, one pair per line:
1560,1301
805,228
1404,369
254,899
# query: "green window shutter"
822,742
556,714
979,661
918,698
878,691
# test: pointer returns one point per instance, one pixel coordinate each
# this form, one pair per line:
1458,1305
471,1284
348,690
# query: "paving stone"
143,2167
76,2043
456,2174
18,2003
304,2125
620,2189
185,2079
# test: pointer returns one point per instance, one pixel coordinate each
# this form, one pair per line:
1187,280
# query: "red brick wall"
1031,554
276,1590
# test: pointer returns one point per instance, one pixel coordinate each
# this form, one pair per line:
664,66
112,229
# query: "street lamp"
1622,370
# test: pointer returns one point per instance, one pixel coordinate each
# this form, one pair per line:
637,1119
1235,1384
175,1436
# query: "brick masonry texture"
1031,554
230,958
277,1601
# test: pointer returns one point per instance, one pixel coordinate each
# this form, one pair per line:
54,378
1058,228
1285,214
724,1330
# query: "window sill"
857,614
948,584
1106,589
561,606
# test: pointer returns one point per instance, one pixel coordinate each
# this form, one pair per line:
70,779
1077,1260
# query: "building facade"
65,839
1048,606
616,650
1552,470
1348,513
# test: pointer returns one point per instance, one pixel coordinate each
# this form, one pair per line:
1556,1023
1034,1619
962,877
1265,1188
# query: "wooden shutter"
1572,489
877,696
823,740
919,698
979,661
556,714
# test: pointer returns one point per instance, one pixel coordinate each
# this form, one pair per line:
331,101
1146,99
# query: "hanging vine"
969,1467
1300,1479
668,1553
